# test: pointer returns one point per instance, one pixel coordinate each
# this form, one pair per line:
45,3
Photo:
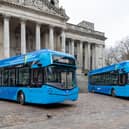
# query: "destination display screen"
63,60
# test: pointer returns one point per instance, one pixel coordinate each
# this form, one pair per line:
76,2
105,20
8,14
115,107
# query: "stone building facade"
28,25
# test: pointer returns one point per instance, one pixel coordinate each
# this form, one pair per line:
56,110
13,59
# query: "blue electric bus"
112,80
40,77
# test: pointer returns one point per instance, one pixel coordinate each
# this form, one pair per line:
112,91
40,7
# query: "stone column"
81,54
72,44
6,37
55,42
46,40
38,38
70,47
51,38
58,43
89,56
78,53
86,56
94,56
23,37
63,41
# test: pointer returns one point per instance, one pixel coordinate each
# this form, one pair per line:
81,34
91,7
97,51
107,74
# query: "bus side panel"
8,93
122,91
100,89
103,89
127,90
32,94
44,95
90,88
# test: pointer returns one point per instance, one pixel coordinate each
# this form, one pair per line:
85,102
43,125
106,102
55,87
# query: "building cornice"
85,32
52,11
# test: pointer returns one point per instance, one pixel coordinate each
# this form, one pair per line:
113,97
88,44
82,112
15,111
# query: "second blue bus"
112,80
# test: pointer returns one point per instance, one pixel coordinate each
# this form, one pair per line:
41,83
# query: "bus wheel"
113,93
21,98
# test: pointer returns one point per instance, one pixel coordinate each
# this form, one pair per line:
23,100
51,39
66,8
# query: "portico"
38,33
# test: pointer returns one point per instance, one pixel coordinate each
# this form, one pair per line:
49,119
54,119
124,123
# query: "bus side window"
5,77
0,77
122,79
23,76
36,77
12,77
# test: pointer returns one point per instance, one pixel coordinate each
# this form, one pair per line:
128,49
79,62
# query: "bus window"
12,77
122,79
69,78
61,76
36,77
5,77
0,77
23,76
114,79
128,78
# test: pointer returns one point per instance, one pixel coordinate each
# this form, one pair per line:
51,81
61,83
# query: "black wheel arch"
18,95
113,92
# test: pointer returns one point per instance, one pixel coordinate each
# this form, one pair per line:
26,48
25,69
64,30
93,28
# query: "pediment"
41,5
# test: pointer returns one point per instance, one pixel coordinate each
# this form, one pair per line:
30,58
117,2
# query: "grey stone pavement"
91,111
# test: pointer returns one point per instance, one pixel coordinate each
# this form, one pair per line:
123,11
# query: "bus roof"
30,57
124,65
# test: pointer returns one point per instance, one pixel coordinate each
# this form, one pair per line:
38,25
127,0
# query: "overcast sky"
109,16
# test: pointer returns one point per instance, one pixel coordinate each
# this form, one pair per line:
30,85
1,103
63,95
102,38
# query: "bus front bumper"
54,95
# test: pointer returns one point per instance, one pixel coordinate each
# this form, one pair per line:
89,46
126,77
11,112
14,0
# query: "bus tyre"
21,98
113,93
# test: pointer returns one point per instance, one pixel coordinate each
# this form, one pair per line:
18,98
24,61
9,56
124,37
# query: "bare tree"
111,56
119,53
124,49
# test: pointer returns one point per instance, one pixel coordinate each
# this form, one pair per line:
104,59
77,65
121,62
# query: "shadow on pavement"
52,106
117,97
43,106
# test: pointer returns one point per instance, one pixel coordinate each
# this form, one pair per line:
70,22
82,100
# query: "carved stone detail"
43,5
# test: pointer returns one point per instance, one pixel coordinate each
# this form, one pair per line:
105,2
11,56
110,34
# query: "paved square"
91,111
